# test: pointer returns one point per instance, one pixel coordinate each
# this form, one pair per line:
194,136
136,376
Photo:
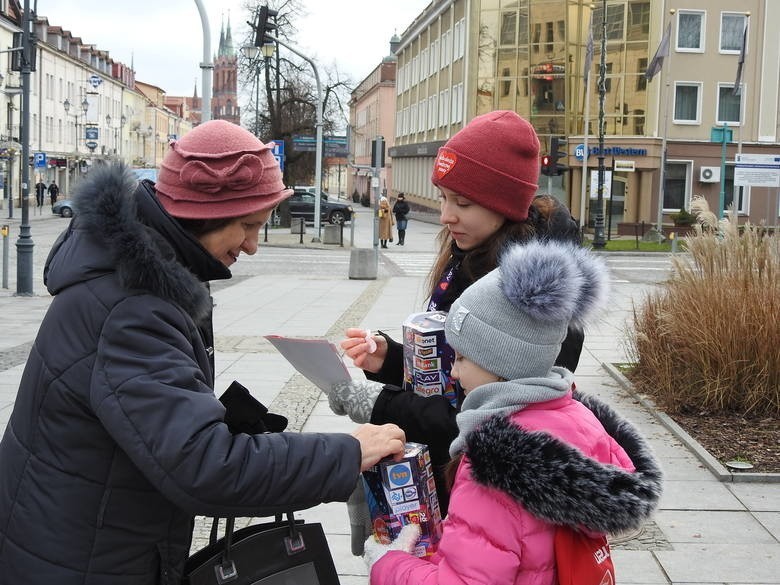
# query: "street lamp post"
84,107
24,245
318,153
117,133
598,228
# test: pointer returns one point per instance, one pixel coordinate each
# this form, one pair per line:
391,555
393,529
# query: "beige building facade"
372,114
462,58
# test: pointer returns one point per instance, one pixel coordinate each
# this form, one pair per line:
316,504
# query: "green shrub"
683,217
709,338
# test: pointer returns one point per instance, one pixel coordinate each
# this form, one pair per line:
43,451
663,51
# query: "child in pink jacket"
532,454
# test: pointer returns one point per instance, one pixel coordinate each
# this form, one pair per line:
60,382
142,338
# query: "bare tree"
282,94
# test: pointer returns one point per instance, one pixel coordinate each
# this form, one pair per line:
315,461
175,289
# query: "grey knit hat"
513,320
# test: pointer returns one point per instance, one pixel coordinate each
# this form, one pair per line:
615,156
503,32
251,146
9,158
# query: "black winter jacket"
116,439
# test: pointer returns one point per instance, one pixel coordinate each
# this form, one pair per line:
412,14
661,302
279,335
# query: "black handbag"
283,552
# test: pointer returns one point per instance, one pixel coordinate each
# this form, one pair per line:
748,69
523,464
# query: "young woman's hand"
359,349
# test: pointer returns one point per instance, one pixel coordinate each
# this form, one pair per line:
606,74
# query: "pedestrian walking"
117,440
54,192
527,444
386,222
487,175
40,195
401,211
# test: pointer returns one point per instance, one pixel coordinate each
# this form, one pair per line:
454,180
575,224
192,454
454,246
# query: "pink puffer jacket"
520,479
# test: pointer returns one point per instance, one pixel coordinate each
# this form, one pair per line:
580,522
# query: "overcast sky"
164,38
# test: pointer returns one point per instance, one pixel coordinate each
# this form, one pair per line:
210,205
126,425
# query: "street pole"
318,154
206,66
598,234
722,196
24,245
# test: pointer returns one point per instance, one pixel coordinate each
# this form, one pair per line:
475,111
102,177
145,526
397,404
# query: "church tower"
224,102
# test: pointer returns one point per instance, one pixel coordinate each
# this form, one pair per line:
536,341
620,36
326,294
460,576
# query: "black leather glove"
245,414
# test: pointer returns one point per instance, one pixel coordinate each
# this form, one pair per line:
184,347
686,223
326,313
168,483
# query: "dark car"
302,205
63,208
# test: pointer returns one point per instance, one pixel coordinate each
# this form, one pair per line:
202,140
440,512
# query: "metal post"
4,231
722,198
24,245
206,66
598,233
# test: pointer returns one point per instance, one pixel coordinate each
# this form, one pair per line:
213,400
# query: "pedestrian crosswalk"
397,262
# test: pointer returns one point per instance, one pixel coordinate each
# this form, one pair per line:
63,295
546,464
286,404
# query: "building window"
641,80
509,28
690,31
537,36
732,27
675,186
549,37
686,103
729,105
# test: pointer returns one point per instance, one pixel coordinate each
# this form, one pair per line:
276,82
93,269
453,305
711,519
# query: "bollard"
330,234
363,263
673,238
4,232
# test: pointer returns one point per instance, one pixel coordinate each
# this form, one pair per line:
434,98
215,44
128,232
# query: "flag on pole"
589,50
660,53
738,81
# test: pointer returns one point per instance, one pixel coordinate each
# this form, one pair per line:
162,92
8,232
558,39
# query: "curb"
715,466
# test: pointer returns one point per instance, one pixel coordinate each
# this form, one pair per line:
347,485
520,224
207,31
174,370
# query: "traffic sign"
40,160
277,147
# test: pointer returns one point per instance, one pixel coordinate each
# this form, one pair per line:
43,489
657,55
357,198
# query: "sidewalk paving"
705,532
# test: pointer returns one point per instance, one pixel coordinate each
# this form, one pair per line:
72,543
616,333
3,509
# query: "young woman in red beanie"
116,440
487,176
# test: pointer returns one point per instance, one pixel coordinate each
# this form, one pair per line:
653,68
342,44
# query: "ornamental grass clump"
708,340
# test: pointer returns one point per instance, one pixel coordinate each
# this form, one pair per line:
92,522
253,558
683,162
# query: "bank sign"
579,151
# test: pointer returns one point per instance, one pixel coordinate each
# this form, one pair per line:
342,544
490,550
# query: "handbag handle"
226,570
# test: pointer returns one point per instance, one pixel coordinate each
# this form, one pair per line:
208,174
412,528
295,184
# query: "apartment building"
371,114
462,58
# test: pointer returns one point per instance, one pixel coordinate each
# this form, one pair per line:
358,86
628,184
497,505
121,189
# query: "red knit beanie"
494,162
219,170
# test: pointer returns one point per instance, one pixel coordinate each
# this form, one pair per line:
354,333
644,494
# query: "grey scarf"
505,398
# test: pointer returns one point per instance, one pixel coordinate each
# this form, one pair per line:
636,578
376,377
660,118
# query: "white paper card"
317,359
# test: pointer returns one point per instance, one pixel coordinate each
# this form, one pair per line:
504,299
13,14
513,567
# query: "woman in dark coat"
117,440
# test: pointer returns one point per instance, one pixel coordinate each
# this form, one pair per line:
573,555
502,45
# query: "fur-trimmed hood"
558,483
121,228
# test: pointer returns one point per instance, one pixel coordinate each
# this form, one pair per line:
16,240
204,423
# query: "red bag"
581,559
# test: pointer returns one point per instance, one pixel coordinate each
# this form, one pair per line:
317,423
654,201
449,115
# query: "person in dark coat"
117,440
40,194
401,211
54,192
486,204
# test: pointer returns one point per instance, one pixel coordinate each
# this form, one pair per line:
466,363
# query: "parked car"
302,205
311,189
63,208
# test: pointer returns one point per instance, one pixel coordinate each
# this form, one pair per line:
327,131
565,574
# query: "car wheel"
66,212
337,217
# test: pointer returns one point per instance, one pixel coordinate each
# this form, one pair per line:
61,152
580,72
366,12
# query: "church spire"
229,49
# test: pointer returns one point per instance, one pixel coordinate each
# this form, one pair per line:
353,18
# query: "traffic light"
546,170
557,151
264,26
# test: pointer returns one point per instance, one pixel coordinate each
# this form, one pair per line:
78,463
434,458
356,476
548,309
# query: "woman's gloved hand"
355,398
406,541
